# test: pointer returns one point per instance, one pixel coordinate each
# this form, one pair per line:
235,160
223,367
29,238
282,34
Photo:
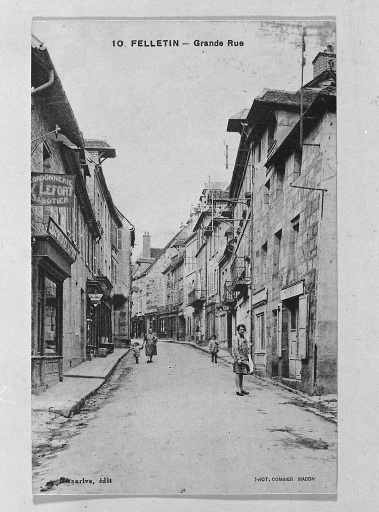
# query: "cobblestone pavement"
177,427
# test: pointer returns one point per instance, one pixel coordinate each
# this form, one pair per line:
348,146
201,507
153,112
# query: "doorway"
293,339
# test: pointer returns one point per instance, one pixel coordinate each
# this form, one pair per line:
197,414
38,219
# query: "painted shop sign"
292,290
55,231
53,190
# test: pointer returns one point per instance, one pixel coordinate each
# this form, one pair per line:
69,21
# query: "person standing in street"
214,347
198,335
136,351
150,343
240,352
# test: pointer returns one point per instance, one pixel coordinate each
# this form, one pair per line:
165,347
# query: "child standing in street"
136,351
213,347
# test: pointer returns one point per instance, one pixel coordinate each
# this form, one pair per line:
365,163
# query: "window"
89,249
76,221
258,151
297,158
69,221
277,251
263,261
294,234
82,235
260,330
198,239
51,317
85,242
295,222
94,255
119,239
279,178
266,193
114,272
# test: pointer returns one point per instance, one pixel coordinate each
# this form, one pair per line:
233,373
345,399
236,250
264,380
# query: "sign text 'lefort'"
52,190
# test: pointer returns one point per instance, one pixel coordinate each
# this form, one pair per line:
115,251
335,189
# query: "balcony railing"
239,277
196,297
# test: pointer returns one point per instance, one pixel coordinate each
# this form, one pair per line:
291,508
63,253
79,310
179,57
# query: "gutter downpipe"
252,347
47,84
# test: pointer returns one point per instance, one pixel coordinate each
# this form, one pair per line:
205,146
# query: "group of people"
241,352
150,345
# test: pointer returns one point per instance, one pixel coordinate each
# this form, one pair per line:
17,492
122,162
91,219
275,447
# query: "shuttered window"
119,239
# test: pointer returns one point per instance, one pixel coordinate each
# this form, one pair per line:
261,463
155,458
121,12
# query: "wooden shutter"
303,322
119,239
279,320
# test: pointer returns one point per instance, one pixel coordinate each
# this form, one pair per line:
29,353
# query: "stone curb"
329,416
78,404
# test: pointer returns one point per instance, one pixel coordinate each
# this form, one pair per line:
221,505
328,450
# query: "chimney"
146,252
324,60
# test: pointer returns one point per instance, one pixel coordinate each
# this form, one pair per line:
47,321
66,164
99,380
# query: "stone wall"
291,218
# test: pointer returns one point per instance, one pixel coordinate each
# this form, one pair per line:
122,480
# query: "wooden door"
293,341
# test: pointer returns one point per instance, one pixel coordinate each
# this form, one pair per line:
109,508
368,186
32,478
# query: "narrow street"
177,426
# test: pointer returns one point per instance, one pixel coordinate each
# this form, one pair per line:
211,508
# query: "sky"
165,109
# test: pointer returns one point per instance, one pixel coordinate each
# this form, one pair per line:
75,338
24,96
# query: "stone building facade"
292,285
72,281
262,250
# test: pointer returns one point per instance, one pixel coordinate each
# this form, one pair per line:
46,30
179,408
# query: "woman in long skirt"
150,342
240,351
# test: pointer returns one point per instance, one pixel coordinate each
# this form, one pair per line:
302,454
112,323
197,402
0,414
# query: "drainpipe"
47,84
252,348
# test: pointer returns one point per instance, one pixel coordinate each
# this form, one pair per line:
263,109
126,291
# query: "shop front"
168,322
99,313
181,326
52,257
138,326
152,321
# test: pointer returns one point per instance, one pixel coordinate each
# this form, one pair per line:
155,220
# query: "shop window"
51,318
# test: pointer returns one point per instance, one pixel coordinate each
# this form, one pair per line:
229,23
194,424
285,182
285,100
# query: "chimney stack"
324,60
146,250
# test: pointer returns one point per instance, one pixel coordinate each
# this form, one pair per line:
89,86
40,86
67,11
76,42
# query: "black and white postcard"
184,256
